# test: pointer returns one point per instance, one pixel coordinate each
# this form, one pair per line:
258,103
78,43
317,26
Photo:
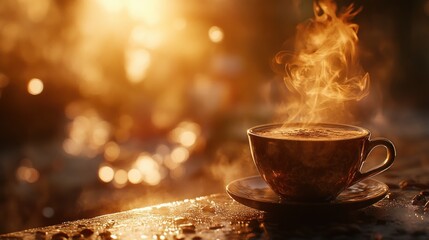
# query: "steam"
323,72
232,161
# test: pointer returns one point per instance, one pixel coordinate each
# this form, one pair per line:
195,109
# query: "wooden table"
219,217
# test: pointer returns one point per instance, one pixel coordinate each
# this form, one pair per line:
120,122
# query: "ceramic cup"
314,162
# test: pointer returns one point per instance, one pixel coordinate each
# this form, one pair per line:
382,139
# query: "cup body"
300,169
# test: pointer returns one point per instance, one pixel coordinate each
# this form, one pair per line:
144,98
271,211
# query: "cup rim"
251,131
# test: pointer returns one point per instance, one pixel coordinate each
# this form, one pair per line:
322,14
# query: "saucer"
255,193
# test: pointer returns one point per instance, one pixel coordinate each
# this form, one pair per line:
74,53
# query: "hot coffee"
313,162
312,133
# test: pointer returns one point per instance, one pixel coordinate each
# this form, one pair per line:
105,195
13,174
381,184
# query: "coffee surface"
312,133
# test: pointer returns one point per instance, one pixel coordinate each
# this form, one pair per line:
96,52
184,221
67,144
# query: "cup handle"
391,154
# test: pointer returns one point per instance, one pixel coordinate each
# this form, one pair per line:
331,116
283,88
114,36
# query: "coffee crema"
311,133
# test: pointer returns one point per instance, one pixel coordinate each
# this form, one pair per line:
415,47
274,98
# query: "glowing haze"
323,72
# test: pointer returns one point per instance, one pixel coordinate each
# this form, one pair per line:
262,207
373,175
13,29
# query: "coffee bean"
60,236
180,220
105,235
425,193
197,238
217,226
405,183
86,232
187,225
187,228
188,231
209,209
411,184
39,235
77,237
251,236
418,200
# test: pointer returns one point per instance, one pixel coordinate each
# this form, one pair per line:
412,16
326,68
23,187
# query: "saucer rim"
266,205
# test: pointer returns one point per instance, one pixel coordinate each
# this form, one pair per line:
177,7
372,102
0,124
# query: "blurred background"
108,105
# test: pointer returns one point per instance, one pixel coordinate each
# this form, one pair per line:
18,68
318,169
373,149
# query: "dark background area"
159,94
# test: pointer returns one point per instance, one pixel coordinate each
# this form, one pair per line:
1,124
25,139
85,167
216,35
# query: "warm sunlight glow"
180,24
111,5
137,64
144,37
147,11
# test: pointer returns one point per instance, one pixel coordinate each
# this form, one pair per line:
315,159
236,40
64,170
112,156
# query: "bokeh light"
179,154
149,169
187,138
48,212
216,34
35,86
106,174
137,64
71,147
186,133
27,174
120,178
111,151
88,134
134,176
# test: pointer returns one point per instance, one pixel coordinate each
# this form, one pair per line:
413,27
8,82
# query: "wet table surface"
217,216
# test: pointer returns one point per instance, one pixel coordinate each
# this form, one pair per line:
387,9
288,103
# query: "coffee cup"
314,162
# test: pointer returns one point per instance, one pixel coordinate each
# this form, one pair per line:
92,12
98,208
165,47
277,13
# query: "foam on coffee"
312,133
